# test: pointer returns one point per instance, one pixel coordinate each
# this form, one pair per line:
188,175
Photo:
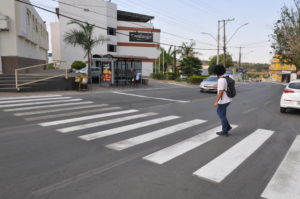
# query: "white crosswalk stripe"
153,135
102,123
49,106
284,184
53,123
28,97
286,181
126,128
37,103
33,100
60,110
72,113
219,168
184,146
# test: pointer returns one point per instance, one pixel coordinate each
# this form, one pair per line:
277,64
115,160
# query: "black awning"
133,17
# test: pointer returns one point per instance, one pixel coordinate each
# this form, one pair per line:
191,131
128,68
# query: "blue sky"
187,19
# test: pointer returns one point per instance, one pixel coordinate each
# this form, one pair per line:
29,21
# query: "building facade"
128,34
281,72
23,36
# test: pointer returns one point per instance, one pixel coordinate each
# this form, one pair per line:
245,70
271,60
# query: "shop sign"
106,73
140,37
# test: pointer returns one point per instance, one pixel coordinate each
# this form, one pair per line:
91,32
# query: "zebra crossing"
284,184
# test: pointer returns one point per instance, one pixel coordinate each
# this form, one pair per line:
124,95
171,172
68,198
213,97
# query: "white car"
290,98
209,85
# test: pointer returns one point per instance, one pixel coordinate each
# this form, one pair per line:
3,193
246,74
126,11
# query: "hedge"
159,76
172,76
196,79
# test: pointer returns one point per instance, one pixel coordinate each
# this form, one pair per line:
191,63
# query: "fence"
33,74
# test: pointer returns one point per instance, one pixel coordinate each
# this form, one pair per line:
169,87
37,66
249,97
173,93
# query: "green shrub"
77,65
178,79
171,76
196,79
159,76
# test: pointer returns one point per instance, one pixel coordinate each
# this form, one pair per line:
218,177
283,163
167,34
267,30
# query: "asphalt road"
46,160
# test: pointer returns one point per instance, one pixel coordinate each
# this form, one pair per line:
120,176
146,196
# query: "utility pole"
224,47
174,64
240,58
163,60
218,41
159,61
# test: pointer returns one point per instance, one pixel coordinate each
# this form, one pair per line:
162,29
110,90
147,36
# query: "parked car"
290,98
82,71
209,84
95,71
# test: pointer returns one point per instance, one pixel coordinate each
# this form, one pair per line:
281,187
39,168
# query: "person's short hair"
219,70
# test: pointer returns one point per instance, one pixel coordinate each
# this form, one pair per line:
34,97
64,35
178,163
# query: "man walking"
222,100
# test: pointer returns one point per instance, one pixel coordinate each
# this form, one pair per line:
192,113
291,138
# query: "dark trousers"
221,111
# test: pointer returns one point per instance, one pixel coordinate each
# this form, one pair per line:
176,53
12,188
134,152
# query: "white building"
23,36
130,35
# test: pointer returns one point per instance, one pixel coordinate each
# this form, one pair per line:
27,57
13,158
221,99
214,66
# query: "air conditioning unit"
4,23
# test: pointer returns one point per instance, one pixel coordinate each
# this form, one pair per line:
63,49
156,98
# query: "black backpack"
231,92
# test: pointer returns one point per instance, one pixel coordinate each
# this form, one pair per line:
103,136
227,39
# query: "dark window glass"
294,85
111,31
111,48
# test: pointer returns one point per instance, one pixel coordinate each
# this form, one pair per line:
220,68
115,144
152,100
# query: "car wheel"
282,110
201,90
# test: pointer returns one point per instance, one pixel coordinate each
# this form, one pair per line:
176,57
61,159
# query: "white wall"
22,39
147,68
8,40
55,40
31,33
102,14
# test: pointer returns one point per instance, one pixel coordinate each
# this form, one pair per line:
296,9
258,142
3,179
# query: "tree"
190,66
84,38
167,56
188,50
213,62
286,36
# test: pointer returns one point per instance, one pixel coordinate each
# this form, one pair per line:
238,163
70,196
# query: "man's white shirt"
222,86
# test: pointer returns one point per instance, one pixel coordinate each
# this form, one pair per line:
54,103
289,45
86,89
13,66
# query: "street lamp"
236,31
205,33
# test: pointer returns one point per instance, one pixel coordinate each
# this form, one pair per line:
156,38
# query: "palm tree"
167,56
187,49
84,38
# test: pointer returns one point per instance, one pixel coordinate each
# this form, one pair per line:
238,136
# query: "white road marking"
122,129
60,109
53,123
33,100
50,106
153,135
36,103
71,113
268,102
102,123
157,98
28,97
219,168
286,181
249,110
184,146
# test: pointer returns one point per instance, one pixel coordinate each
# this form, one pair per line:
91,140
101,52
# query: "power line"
68,17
